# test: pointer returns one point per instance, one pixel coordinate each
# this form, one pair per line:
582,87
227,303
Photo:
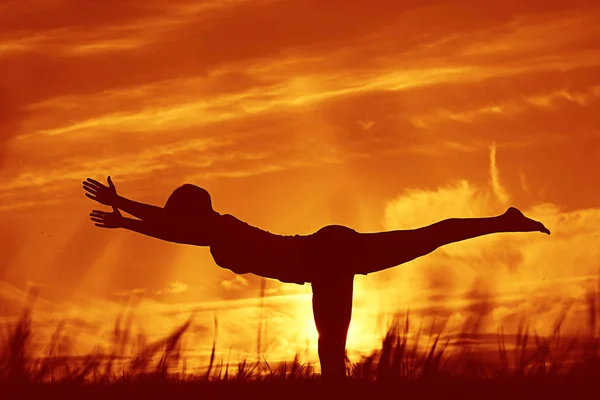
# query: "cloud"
499,190
520,275
416,207
366,124
12,116
462,99
174,287
524,183
236,283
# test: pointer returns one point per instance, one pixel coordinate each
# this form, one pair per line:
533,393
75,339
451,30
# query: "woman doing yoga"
328,258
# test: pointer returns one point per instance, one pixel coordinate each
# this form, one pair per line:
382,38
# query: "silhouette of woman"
328,258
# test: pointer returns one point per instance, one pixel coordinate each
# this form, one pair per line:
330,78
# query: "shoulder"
230,220
228,223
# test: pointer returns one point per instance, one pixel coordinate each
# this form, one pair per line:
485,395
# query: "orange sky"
295,115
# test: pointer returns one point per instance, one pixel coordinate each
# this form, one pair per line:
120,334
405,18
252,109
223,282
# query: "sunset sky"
297,114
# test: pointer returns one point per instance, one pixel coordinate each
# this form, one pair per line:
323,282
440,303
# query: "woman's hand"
105,219
106,195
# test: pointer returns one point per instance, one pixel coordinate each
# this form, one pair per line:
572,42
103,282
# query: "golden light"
387,117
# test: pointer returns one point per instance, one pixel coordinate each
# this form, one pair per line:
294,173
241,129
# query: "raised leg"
373,252
332,308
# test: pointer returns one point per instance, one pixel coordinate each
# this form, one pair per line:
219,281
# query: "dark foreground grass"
426,365
531,388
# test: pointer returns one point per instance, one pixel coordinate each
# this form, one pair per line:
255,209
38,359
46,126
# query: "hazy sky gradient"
295,115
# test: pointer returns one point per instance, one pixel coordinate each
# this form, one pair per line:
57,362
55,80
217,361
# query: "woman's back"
244,248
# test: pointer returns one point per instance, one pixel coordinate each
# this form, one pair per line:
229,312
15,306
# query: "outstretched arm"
153,221
174,229
108,196
146,212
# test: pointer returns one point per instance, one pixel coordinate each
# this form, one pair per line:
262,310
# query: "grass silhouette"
532,366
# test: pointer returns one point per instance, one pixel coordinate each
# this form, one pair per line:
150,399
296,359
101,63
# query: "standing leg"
332,308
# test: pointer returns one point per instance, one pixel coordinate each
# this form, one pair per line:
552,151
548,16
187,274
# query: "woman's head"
190,200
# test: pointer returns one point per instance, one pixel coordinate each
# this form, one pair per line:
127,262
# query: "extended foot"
520,223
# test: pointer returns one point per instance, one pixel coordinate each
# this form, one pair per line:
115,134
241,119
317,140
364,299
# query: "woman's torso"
243,248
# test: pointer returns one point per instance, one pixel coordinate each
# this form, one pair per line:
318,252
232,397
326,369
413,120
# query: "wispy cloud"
499,190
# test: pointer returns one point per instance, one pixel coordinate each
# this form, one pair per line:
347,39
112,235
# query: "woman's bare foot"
520,223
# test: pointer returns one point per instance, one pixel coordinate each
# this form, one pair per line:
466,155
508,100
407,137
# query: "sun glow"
387,117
